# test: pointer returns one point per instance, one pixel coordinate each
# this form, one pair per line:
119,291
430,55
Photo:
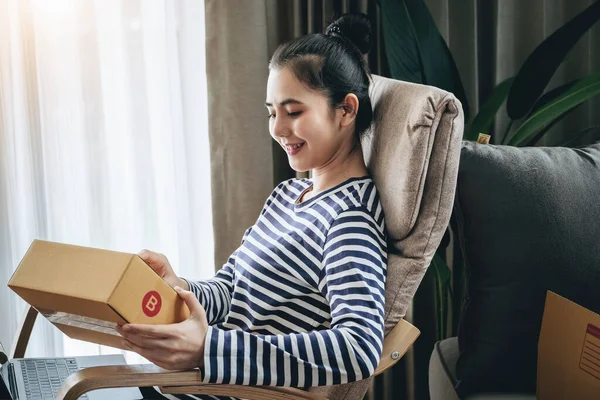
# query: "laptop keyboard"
44,377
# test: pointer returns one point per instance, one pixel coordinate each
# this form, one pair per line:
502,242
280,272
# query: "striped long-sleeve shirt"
300,303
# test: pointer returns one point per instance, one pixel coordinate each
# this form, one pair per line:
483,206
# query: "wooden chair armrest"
396,344
23,334
116,376
187,382
246,392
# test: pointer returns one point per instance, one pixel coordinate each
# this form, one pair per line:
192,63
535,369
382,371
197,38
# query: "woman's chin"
298,167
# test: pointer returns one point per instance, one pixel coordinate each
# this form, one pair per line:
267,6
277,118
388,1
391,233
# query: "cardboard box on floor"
85,291
568,351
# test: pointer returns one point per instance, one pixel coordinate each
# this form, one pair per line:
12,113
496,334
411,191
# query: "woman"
300,303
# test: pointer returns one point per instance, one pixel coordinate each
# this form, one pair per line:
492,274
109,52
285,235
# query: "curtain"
103,139
240,145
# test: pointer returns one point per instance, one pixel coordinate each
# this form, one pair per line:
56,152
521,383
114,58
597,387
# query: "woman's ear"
349,108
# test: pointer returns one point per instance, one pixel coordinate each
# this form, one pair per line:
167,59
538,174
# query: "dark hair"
333,63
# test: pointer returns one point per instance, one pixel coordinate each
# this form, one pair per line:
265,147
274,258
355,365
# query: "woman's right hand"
159,263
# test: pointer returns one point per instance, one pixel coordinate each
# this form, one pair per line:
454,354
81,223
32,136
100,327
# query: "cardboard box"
568,351
85,292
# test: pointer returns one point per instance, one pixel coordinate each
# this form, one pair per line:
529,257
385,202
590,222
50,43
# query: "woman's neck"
338,171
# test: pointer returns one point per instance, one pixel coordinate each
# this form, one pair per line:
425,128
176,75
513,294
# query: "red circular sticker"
151,303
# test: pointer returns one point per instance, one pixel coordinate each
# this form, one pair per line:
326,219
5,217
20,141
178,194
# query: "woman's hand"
159,263
175,346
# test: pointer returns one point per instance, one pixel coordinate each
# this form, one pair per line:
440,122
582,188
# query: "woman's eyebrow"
285,102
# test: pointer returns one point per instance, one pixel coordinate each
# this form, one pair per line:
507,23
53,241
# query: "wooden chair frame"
395,345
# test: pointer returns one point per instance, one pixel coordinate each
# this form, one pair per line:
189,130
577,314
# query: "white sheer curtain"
103,138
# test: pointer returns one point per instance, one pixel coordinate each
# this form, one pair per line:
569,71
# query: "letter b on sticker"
151,303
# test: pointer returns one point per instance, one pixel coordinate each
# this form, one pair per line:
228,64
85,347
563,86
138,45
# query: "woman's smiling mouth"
292,149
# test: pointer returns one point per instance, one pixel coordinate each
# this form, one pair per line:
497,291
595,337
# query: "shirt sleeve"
215,294
353,281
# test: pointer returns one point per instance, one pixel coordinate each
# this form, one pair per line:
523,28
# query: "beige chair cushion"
412,153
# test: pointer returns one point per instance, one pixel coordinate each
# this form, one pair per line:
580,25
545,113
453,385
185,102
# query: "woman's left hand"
175,346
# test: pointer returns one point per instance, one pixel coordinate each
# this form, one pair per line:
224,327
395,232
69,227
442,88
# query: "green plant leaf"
442,284
415,49
540,134
578,93
542,63
593,130
400,42
549,96
486,115
544,100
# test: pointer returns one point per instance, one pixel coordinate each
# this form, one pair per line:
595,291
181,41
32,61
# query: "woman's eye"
290,114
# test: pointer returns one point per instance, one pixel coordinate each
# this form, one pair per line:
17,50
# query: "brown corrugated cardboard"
568,351
85,291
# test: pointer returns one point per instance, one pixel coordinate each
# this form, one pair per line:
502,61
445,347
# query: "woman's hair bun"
356,27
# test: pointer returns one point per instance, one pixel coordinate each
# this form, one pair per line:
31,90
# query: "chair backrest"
413,156
412,153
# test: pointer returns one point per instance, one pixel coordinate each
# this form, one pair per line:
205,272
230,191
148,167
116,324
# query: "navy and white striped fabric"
300,303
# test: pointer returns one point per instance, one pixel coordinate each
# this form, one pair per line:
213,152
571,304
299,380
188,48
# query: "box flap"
49,303
98,337
75,271
568,351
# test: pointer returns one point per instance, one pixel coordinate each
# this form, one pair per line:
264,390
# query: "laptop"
41,378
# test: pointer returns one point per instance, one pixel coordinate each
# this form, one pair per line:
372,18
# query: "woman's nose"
279,128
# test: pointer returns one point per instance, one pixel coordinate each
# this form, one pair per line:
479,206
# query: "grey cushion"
442,370
530,222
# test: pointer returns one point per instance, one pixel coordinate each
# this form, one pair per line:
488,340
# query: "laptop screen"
4,392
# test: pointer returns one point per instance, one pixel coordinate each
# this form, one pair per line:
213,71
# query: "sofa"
528,222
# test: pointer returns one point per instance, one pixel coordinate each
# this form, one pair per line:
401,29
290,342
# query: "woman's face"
302,122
